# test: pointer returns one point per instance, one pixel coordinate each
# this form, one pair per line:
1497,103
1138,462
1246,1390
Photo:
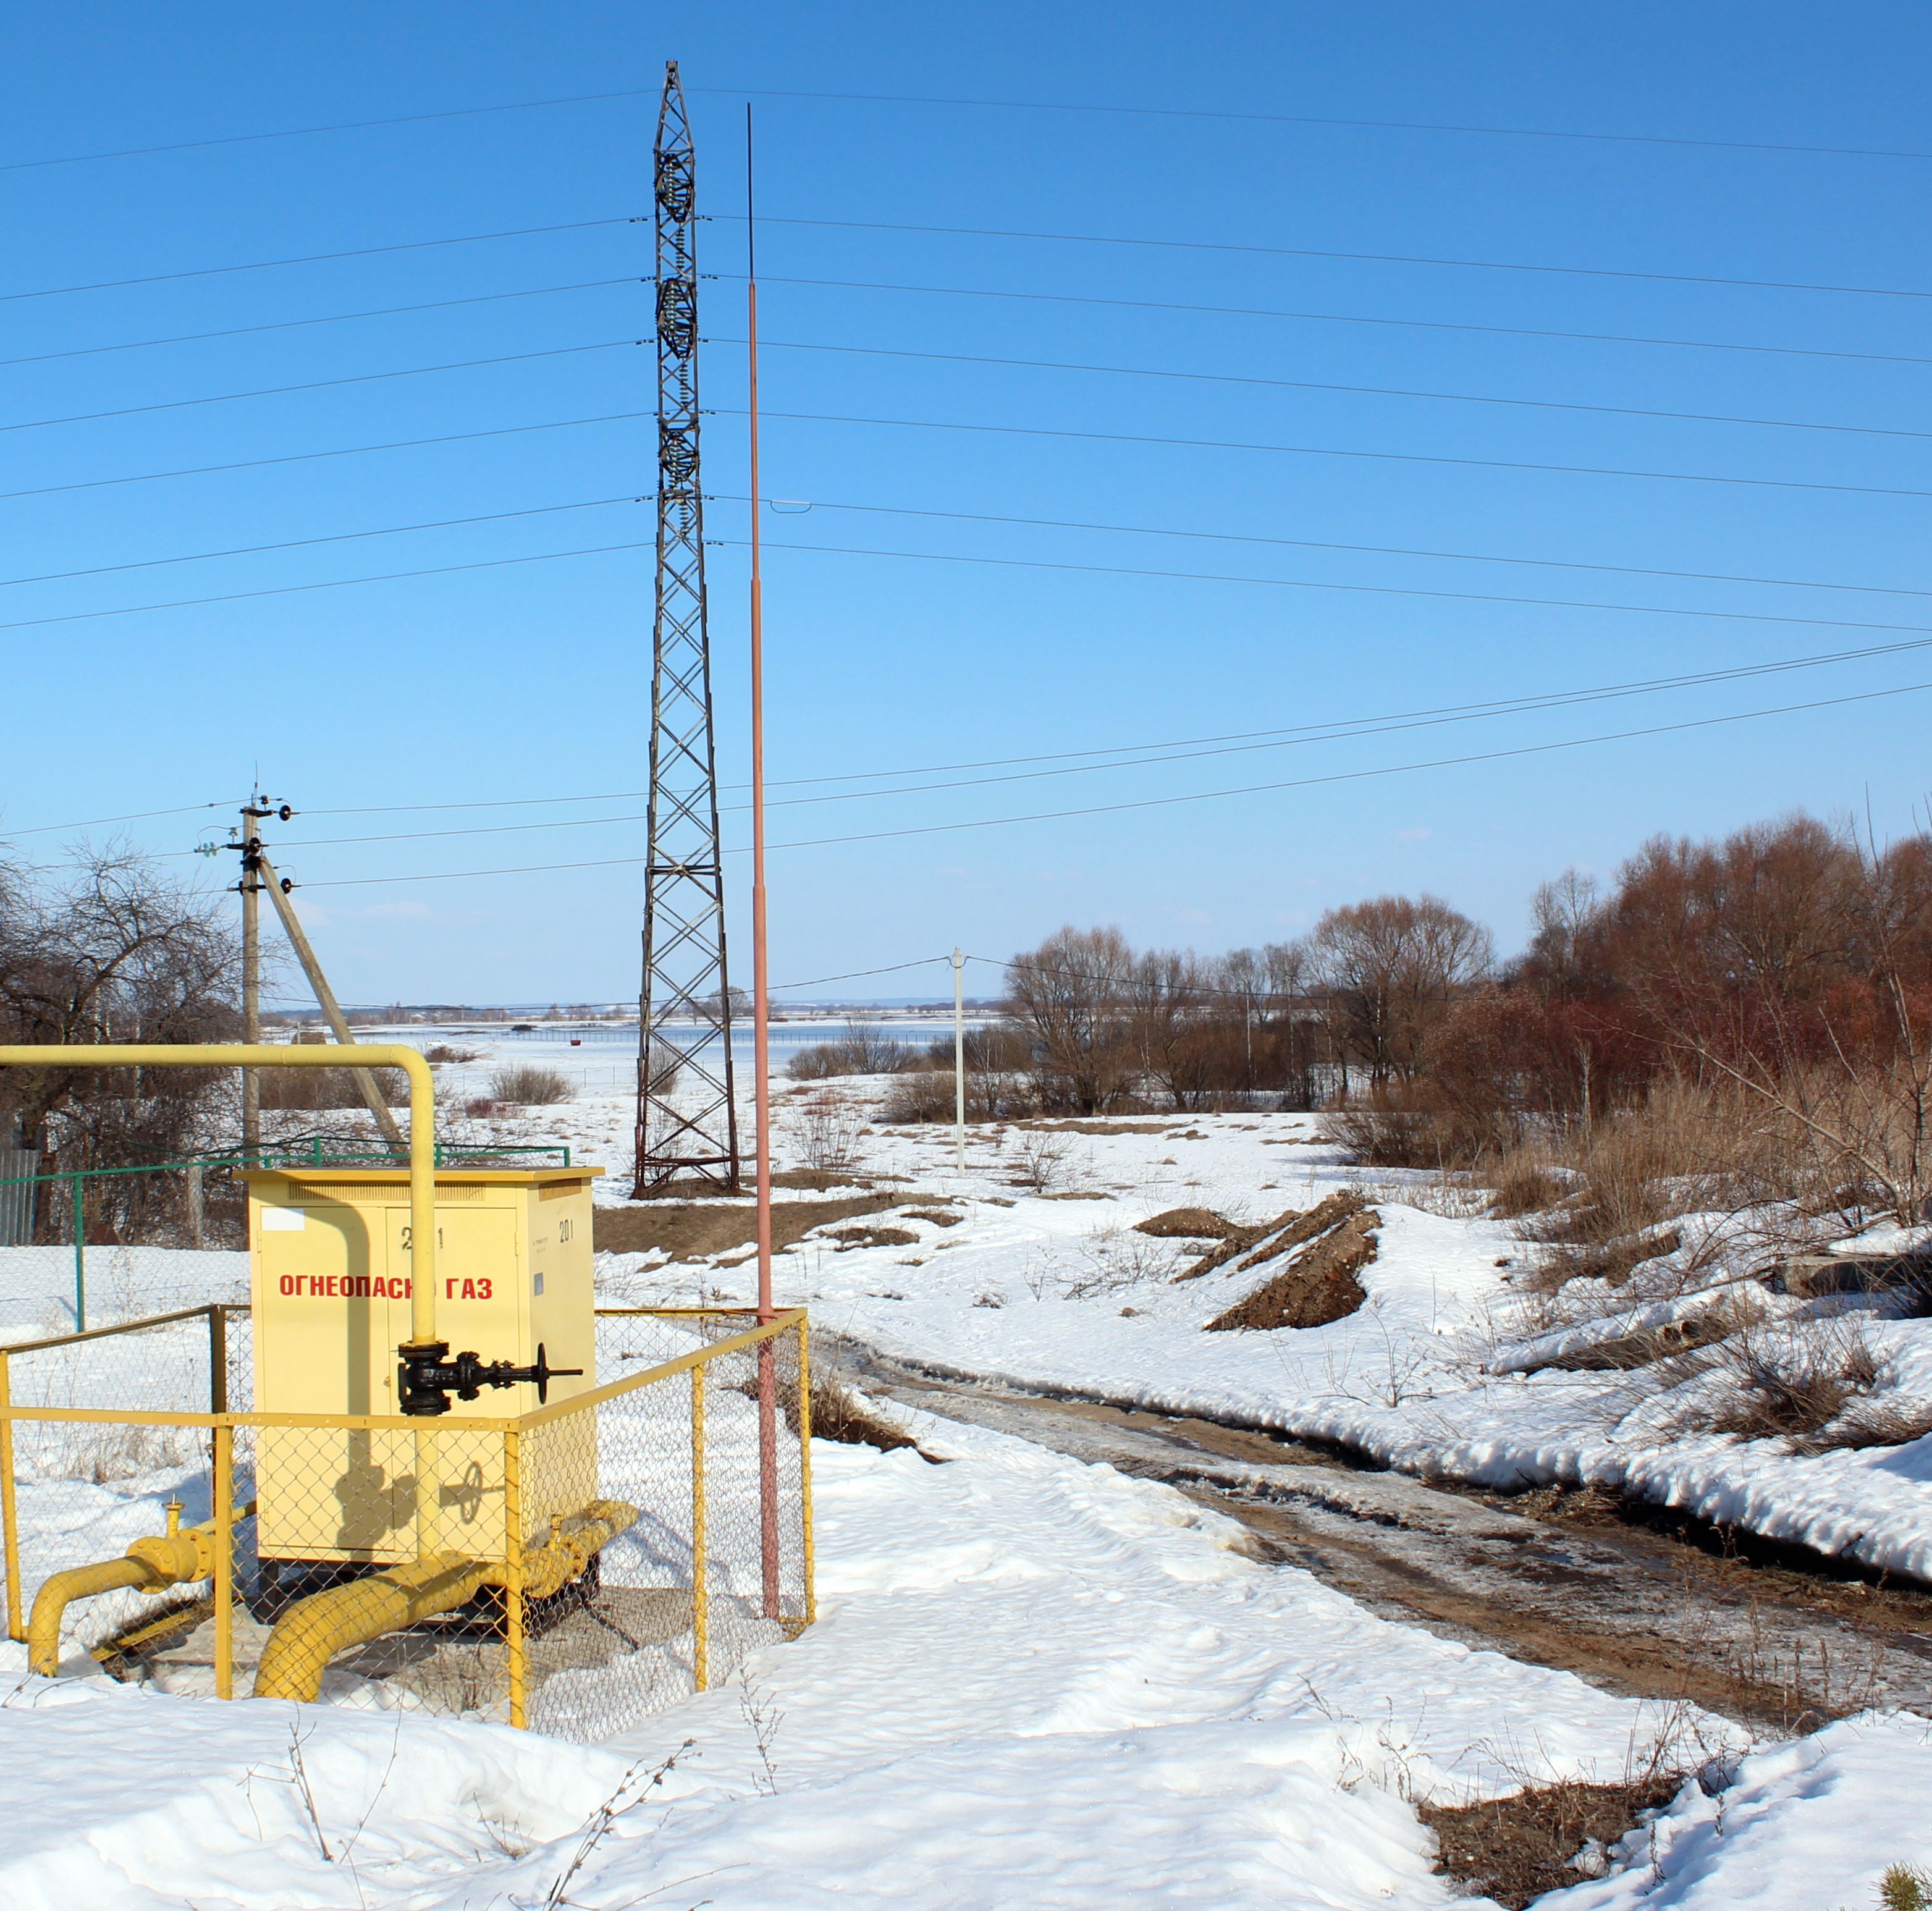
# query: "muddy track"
1646,1604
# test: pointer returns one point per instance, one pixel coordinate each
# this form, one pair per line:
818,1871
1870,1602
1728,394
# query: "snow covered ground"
1034,1683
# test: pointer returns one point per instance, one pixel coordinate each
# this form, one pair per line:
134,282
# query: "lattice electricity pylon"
687,1121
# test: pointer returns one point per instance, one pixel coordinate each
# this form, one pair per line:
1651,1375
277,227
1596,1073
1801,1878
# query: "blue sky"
530,680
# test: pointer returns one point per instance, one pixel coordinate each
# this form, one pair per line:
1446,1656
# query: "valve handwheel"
428,1377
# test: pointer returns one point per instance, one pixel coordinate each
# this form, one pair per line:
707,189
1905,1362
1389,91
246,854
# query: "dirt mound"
691,1231
1186,1224
1317,1286
1264,1241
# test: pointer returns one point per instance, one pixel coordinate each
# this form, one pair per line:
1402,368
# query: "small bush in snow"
529,1086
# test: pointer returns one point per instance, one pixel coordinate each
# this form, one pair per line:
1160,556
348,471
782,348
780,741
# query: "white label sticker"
283,1220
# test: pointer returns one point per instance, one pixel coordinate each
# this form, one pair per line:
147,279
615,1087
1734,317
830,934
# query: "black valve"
426,1378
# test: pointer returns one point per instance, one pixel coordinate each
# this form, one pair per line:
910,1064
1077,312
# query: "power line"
1354,391
1131,755
1326,450
307,457
1157,802
1307,583
329,319
333,583
1309,119
320,384
315,258
1345,318
1341,731
302,544
1002,106
306,132
1361,258
100,822
1370,549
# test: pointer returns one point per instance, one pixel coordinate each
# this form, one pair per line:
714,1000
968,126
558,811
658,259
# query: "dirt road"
1633,1601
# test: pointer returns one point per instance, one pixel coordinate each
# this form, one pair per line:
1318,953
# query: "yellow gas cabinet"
330,1282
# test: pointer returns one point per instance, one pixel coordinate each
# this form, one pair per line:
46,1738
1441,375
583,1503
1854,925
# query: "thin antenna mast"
687,1123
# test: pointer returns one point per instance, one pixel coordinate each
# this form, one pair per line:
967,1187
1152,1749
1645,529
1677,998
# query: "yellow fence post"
805,1469
700,1597
9,1511
224,1558
513,1578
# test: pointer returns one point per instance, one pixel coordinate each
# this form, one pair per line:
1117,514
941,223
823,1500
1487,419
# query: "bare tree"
115,952
1388,969
1069,995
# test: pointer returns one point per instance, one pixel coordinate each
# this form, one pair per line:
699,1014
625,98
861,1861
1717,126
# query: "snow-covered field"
1036,1683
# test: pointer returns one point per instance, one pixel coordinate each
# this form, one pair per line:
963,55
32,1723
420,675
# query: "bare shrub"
859,1049
825,1129
529,1086
1039,1160
442,1052
315,1088
1525,1182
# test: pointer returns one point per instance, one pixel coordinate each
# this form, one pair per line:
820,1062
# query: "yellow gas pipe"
174,1558
149,1563
269,1054
314,1629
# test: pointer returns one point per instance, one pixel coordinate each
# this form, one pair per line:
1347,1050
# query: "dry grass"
328,1088
849,1238
1791,1383
526,1085
443,1053
1514,1849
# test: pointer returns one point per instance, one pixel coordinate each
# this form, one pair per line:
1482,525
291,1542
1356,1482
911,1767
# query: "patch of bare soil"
939,1217
693,1232
1317,1286
1514,1849
1268,1239
849,1238
1073,1194
1094,1126
1186,1224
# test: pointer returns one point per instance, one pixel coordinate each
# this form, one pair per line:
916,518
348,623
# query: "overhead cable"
1156,802
1328,450
1361,258
1318,544
1312,583
1341,318
302,544
317,258
320,384
1691,141
308,458
332,583
1350,391
1310,119
329,319
1277,740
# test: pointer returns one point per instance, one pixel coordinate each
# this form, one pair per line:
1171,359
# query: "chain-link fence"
570,1569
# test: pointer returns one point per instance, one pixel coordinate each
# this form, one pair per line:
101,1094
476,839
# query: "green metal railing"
304,1151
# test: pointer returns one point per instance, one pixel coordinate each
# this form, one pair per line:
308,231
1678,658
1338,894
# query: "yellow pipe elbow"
58,1593
314,1629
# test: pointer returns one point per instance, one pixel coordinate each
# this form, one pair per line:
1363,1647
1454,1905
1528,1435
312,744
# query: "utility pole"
277,888
249,842
959,1053
687,1120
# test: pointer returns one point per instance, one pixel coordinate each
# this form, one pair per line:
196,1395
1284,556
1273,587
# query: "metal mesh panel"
586,1565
